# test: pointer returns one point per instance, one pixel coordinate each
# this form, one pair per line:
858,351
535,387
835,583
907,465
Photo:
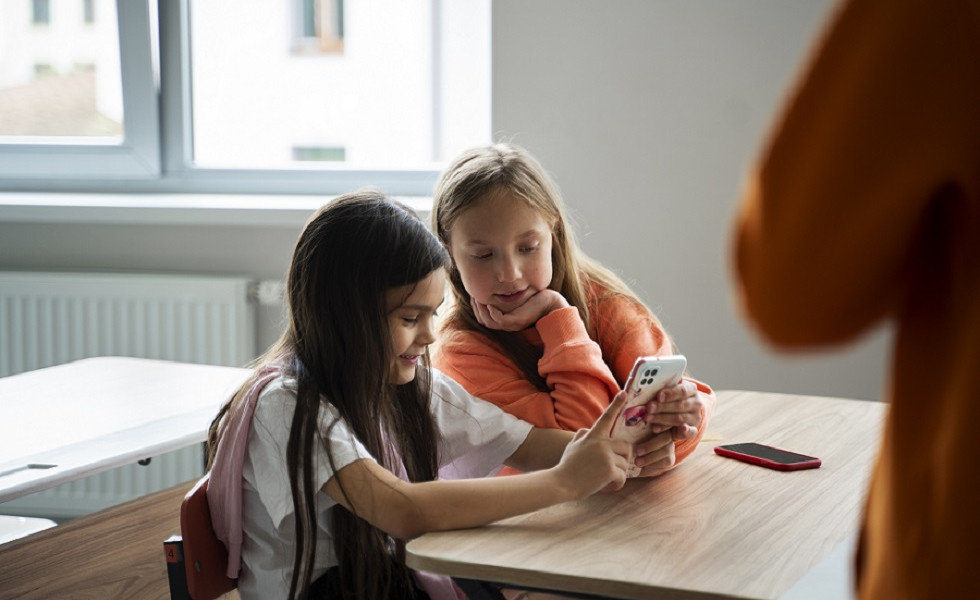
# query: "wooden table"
115,553
80,418
712,528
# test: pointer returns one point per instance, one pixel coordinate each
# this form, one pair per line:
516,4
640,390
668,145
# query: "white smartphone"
650,374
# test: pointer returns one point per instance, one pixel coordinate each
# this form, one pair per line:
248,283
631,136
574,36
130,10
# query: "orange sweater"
583,375
866,207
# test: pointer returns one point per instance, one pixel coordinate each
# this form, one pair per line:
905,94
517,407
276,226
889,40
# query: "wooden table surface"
74,420
712,528
115,553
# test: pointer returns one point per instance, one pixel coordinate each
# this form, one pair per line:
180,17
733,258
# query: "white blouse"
475,437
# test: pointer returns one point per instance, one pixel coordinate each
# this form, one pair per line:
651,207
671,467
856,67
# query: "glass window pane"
378,84
59,71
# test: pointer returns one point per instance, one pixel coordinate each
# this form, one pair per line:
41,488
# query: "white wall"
648,114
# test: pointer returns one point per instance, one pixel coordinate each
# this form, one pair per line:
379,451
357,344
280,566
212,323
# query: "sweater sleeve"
626,332
580,383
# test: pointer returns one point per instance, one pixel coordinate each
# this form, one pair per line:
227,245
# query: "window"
61,87
71,104
296,96
320,26
41,12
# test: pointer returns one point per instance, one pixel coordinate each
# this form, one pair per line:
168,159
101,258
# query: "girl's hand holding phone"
676,408
655,455
593,461
541,303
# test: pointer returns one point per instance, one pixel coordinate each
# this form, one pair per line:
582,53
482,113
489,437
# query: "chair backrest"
205,557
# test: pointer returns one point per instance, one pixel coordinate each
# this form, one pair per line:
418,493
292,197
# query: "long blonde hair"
482,171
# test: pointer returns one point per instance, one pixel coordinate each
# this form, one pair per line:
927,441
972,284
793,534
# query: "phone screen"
782,457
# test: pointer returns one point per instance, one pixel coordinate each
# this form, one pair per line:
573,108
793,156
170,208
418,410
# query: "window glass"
59,72
41,12
377,84
288,96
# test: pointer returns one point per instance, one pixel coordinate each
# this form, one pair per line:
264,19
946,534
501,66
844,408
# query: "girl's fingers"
658,412
491,317
656,443
677,393
619,482
662,422
653,458
604,424
513,321
684,432
496,315
484,315
520,318
679,410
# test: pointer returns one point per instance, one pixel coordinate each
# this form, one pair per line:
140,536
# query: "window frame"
155,155
137,156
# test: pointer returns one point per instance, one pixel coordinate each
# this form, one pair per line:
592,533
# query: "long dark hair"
338,347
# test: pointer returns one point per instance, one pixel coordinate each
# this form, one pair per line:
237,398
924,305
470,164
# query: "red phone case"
804,462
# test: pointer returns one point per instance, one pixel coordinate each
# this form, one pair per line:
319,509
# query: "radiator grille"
52,318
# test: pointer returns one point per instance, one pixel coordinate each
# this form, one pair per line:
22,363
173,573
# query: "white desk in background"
73,420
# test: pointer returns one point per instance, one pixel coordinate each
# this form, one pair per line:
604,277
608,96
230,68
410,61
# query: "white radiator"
53,318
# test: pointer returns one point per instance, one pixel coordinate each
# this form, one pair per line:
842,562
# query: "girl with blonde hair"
537,326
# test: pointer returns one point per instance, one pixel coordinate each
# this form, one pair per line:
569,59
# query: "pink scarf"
225,490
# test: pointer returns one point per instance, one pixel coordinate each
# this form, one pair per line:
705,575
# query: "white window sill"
170,209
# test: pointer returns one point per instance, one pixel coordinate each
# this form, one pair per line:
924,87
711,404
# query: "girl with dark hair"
344,443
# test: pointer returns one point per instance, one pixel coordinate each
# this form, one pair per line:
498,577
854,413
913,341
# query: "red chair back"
205,557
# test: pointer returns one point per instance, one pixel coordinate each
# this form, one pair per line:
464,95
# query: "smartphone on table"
768,456
649,375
